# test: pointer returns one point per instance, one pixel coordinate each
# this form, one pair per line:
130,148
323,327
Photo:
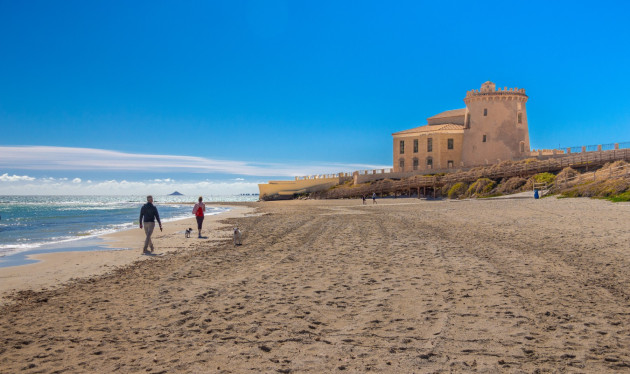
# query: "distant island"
176,193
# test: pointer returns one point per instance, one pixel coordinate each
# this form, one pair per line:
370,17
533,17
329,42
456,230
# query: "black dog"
188,231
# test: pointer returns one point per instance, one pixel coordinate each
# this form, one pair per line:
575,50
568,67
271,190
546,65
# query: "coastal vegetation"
458,190
611,181
482,186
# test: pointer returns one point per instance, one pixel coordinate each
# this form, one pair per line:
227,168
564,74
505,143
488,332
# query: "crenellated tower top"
489,92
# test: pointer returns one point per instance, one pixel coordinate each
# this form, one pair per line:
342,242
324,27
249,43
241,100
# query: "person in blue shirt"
149,214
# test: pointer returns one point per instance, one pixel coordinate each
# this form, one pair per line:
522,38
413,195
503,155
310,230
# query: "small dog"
238,235
188,231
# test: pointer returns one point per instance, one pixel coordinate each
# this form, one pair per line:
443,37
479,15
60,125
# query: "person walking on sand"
373,197
363,199
148,215
198,211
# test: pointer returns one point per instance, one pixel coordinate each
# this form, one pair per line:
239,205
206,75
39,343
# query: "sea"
44,224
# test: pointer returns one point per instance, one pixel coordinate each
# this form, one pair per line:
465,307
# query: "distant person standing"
373,197
148,215
363,199
198,210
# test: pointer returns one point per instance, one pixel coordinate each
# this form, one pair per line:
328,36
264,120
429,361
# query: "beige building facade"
491,128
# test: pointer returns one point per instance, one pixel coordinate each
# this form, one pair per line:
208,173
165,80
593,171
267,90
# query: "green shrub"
482,186
544,178
457,190
613,187
622,197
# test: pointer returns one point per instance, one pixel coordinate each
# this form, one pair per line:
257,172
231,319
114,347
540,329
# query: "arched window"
522,147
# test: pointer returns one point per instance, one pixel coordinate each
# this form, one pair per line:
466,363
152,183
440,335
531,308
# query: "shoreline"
87,240
117,249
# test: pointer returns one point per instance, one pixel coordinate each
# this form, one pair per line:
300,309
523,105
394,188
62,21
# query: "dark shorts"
199,222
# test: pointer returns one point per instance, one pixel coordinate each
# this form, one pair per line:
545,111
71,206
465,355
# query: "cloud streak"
66,158
63,186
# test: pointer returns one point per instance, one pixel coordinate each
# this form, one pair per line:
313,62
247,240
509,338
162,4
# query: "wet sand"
494,285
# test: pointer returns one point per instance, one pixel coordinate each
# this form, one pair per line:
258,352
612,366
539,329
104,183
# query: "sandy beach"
55,269
403,286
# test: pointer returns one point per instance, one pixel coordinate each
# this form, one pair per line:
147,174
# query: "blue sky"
240,92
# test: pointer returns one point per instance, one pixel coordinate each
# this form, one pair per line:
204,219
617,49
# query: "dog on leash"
238,236
188,231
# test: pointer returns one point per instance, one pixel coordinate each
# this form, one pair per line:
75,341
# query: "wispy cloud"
65,158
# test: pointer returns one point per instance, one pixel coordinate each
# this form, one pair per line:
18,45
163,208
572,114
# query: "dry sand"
495,285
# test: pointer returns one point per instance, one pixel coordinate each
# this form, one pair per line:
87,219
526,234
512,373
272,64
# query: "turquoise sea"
36,224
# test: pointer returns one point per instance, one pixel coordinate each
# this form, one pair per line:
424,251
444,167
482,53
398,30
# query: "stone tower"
495,127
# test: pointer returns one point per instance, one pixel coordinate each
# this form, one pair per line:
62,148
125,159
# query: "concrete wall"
289,188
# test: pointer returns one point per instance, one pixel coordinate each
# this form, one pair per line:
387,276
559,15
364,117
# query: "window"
468,121
429,163
430,145
415,164
450,143
484,138
522,147
520,117
450,164
415,146
402,147
401,165
485,112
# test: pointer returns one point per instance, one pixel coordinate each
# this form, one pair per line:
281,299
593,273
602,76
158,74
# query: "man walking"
149,213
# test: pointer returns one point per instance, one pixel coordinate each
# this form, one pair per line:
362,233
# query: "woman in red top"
198,211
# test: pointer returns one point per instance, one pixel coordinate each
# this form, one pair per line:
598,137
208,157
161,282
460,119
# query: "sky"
135,97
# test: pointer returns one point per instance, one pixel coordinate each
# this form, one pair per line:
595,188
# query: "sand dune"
325,286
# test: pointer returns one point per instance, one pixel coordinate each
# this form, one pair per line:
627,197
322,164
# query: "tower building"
491,128
496,125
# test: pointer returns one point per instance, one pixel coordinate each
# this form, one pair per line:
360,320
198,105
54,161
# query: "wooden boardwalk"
420,184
